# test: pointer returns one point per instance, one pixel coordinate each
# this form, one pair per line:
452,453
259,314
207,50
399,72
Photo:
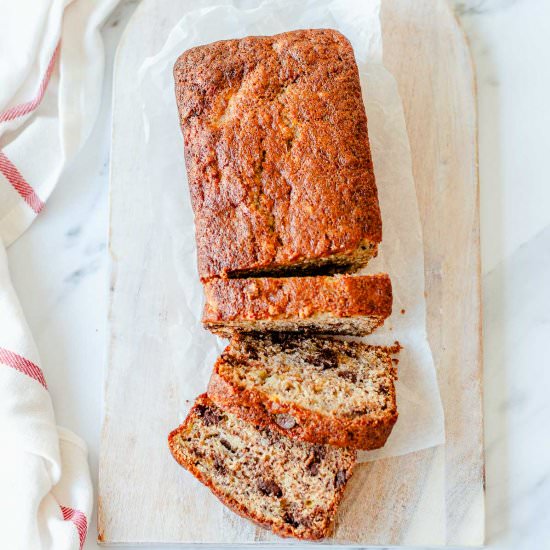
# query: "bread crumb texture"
291,487
320,390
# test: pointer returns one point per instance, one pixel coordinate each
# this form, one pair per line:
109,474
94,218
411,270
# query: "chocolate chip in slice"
286,341
226,444
324,359
314,459
349,352
313,468
269,488
348,375
209,415
288,518
200,409
319,451
251,352
219,466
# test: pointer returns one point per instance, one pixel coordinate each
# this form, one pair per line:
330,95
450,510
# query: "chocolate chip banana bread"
277,155
320,390
343,304
290,487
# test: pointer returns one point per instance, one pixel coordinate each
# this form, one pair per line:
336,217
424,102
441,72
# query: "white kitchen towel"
51,71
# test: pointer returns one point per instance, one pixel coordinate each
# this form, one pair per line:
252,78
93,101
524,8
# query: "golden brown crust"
281,529
340,297
253,406
277,154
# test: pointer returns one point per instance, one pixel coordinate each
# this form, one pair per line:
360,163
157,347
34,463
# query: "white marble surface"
60,267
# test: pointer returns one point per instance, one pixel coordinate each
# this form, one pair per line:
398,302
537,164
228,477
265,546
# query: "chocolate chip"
219,466
349,352
269,488
313,468
340,479
285,340
229,359
285,421
314,459
324,359
198,453
319,451
210,415
251,352
348,375
278,337
226,444
287,518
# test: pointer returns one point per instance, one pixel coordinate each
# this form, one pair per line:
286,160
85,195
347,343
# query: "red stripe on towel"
79,519
19,183
29,106
17,362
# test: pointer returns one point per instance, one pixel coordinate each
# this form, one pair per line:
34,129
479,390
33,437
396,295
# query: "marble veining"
60,266
478,7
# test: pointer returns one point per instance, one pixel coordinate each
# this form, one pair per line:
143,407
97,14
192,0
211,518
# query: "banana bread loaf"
344,304
320,390
291,487
277,155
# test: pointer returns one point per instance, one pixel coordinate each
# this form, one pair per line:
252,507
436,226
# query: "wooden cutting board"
433,497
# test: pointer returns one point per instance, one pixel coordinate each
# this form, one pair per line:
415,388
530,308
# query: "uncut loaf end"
277,155
344,304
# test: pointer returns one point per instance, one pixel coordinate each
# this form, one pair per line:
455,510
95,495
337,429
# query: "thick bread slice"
320,390
353,305
290,487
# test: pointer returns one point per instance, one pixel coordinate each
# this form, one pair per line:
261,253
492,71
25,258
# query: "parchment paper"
420,423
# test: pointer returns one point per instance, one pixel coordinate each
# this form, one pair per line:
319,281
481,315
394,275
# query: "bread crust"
282,529
277,154
297,298
253,406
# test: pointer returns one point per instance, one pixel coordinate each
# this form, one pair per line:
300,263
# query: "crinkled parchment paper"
420,423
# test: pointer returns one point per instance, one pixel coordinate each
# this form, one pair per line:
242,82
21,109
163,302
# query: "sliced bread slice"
352,305
290,487
320,390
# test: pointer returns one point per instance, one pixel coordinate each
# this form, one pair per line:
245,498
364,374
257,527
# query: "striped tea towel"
51,69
